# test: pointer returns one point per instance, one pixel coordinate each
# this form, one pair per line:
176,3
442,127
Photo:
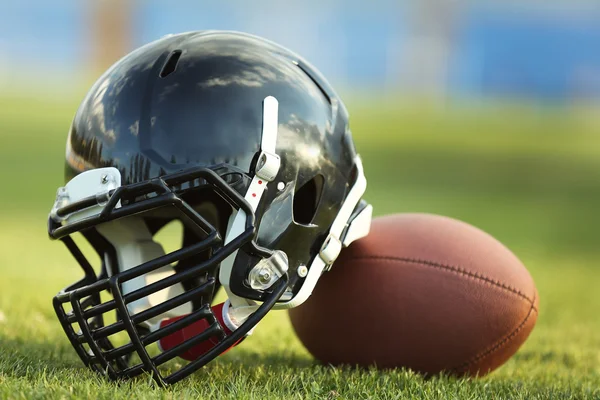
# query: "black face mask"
207,334
244,143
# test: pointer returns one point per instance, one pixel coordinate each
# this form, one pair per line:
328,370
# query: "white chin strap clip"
267,168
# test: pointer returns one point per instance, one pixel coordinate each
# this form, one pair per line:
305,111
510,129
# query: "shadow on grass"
279,374
32,359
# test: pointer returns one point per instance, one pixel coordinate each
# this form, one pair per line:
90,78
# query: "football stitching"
461,368
456,270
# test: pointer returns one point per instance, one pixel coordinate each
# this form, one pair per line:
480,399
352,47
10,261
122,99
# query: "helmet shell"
195,99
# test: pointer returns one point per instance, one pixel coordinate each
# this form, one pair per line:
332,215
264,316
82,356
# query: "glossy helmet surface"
245,144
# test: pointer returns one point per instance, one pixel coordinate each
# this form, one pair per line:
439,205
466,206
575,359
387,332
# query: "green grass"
529,176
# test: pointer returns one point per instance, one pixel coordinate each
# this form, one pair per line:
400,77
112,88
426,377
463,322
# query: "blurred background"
486,112
437,47
483,111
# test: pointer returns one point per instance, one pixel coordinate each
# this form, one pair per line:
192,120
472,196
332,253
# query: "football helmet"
245,144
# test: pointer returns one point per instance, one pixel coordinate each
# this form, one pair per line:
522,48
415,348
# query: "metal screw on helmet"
268,271
280,186
302,271
264,275
104,179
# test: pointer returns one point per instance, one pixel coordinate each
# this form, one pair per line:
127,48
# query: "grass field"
529,176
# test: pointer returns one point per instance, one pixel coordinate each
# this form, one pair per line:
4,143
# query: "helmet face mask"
267,198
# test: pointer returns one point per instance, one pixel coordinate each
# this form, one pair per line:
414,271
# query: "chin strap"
267,168
192,330
235,310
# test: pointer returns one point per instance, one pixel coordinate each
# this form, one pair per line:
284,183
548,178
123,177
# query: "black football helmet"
248,146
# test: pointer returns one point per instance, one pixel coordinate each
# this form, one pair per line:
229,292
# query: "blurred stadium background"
483,111
444,48
452,100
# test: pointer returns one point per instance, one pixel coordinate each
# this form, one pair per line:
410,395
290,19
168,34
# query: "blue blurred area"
37,32
528,54
345,41
498,50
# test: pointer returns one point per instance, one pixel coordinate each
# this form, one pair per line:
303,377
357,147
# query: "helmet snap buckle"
332,246
267,166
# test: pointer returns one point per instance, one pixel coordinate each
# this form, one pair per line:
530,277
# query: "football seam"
496,346
457,270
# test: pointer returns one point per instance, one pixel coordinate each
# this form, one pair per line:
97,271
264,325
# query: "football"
425,292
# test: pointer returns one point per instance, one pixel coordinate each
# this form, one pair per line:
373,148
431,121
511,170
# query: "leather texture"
425,292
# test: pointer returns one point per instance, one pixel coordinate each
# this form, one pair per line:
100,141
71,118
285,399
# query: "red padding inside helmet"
176,338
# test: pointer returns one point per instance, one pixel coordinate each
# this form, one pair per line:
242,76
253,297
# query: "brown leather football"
425,292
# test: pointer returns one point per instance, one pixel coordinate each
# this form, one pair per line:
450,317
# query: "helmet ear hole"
306,200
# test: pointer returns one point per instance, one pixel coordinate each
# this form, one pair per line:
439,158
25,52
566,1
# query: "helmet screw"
302,271
264,276
104,179
280,186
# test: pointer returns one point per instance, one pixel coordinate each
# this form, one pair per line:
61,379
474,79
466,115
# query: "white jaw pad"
332,246
134,246
93,183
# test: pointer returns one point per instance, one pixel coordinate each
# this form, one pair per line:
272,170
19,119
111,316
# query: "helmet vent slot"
306,200
171,64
